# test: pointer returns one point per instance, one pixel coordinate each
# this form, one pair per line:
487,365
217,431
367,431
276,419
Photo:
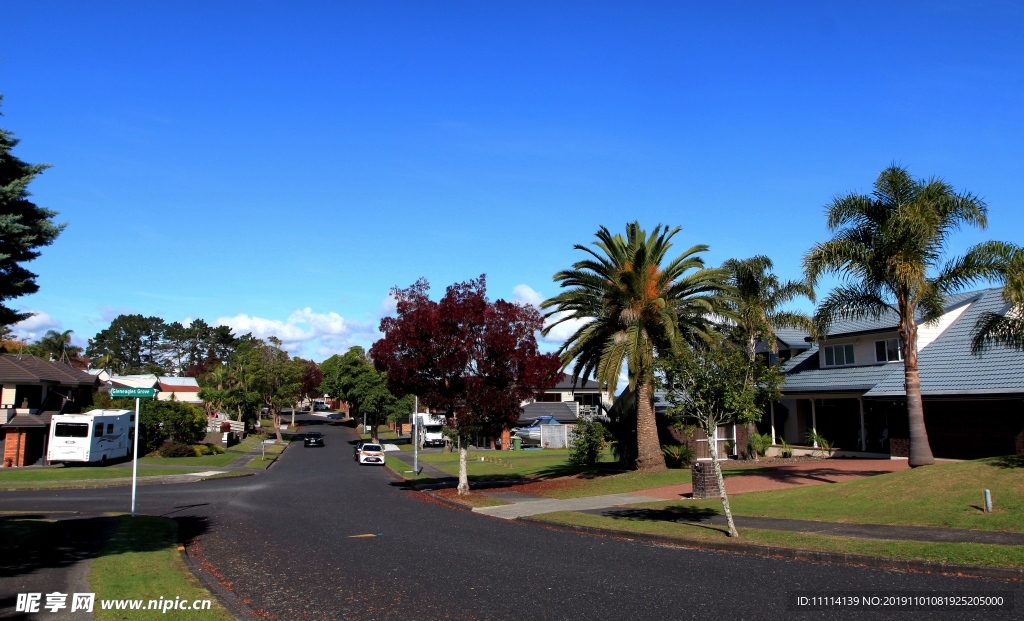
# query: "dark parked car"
313,438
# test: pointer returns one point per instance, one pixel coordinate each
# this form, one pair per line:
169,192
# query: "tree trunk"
275,418
920,450
713,449
463,476
649,456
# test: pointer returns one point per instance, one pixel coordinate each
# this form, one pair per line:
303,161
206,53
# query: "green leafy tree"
271,375
888,248
340,376
635,305
1005,328
57,345
708,386
24,227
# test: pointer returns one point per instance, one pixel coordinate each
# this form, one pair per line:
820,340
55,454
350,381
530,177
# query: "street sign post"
138,393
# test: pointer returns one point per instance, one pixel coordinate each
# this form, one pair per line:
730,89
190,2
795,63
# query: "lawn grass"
959,553
271,452
948,495
404,470
512,465
599,484
49,475
141,561
207,461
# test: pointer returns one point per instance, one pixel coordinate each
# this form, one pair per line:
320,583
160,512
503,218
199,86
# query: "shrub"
207,449
678,455
758,443
176,449
785,449
587,442
823,445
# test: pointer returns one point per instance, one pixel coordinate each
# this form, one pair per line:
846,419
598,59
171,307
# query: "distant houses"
33,390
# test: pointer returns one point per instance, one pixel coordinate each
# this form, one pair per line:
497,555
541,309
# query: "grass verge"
141,561
209,461
404,470
17,477
959,553
948,495
271,453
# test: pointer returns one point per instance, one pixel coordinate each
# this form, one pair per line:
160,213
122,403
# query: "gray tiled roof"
25,368
795,339
947,366
566,384
805,375
890,320
560,411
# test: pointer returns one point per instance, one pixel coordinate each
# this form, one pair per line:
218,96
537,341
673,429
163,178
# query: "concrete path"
550,505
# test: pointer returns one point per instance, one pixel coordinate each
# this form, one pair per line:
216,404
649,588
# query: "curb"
875,562
225,597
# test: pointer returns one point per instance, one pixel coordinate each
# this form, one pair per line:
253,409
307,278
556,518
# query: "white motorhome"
96,436
431,429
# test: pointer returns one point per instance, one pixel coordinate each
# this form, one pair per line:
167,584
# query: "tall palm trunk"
649,455
920,450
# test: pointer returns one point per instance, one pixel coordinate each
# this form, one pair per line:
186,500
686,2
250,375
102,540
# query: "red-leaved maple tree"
473,359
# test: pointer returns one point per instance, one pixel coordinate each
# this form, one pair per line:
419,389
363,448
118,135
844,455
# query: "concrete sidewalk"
550,505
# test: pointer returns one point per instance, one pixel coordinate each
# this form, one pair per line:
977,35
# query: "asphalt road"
287,543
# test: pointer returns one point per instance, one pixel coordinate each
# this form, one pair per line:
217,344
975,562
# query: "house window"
549,397
888,350
839,355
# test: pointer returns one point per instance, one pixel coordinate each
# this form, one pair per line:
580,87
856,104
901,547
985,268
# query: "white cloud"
306,333
35,326
525,294
388,307
560,333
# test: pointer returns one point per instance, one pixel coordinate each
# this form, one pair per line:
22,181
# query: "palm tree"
634,308
888,247
757,308
758,302
1006,328
58,345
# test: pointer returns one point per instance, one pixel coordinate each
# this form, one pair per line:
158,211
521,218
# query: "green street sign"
132,392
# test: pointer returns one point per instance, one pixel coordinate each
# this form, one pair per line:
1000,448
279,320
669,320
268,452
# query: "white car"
371,454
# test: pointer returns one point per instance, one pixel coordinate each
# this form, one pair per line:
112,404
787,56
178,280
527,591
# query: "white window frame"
899,350
843,347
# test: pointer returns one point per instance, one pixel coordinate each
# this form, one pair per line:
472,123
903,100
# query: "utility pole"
416,436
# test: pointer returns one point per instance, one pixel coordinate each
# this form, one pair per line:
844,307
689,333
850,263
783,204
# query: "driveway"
319,537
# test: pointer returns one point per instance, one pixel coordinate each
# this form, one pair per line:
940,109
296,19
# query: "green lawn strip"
42,475
263,460
599,484
141,561
959,553
508,465
404,470
949,495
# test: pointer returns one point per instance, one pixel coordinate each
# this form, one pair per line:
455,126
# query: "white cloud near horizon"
306,333
33,327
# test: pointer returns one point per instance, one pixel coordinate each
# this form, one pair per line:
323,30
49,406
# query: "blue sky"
280,166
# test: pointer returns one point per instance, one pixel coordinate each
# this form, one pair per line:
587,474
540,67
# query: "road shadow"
37,542
699,517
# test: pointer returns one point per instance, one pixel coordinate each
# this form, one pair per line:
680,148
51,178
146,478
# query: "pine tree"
24,227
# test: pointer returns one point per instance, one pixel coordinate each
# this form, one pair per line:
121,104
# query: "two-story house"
849,387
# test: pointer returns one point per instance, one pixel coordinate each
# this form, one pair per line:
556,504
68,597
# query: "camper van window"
99,430
110,428
71,430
